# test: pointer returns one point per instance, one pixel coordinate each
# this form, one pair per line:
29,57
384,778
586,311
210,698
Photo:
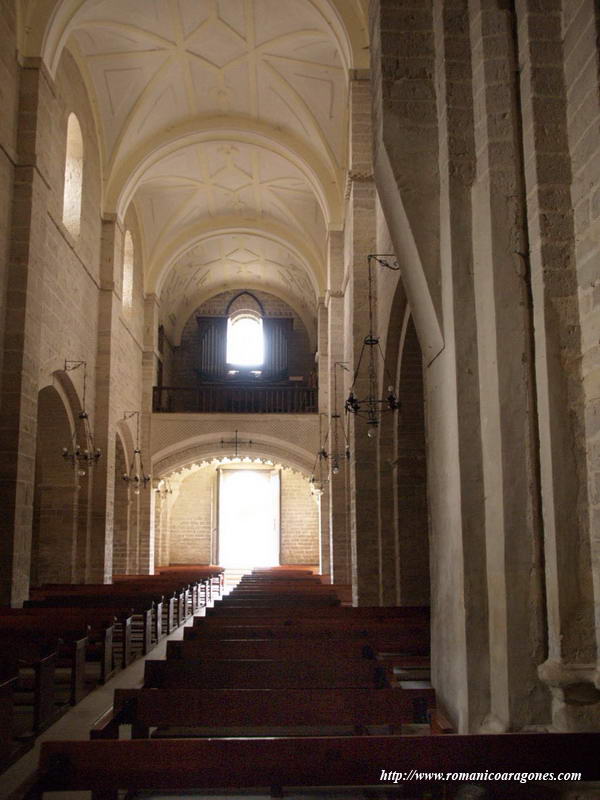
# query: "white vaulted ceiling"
222,184
225,123
272,60
234,260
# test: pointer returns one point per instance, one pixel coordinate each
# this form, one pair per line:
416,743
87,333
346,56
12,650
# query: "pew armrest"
439,722
107,726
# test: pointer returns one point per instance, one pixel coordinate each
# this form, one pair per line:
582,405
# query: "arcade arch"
56,493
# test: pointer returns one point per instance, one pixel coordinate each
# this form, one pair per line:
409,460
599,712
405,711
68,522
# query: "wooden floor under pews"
278,690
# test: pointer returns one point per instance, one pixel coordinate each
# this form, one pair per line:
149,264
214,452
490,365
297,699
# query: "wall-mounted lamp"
87,455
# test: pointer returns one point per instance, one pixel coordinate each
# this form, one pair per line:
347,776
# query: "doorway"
248,518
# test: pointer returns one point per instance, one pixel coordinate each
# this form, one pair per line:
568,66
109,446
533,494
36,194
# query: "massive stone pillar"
24,301
391,314
99,567
507,395
558,348
581,51
360,243
424,194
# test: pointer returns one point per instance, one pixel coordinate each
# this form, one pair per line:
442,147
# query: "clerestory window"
128,258
73,177
245,341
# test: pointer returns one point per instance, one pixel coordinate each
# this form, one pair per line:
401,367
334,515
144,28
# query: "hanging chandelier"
372,407
317,481
136,476
337,454
83,457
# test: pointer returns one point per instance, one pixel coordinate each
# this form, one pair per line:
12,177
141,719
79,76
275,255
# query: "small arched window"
73,177
245,343
128,255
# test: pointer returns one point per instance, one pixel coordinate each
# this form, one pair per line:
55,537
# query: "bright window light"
248,526
245,341
128,271
73,177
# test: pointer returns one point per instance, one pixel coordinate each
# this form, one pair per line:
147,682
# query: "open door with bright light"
248,518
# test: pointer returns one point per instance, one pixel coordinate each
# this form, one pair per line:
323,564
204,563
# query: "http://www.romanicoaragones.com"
390,776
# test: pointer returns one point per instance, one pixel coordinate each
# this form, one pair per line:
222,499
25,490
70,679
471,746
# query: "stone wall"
299,520
192,527
69,300
191,519
580,25
8,146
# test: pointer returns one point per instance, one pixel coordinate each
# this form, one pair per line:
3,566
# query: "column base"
575,690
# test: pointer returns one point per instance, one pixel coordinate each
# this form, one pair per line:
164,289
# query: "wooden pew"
71,638
23,651
108,626
10,749
177,765
280,601
215,576
282,569
167,604
284,589
247,710
225,628
392,637
283,649
141,613
100,632
281,580
186,596
264,674
372,613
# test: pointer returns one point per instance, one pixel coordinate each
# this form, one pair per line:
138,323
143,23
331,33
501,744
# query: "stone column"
425,200
558,349
161,515
392,317
150,359
323,364
20,367
507,396
99,569
360,219
338,519
581,52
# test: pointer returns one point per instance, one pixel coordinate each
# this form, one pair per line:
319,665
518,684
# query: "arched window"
245,345
73,177
128,254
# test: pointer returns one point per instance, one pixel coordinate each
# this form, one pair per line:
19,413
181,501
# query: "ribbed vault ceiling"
225,123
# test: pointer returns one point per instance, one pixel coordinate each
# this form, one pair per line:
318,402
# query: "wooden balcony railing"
219,399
